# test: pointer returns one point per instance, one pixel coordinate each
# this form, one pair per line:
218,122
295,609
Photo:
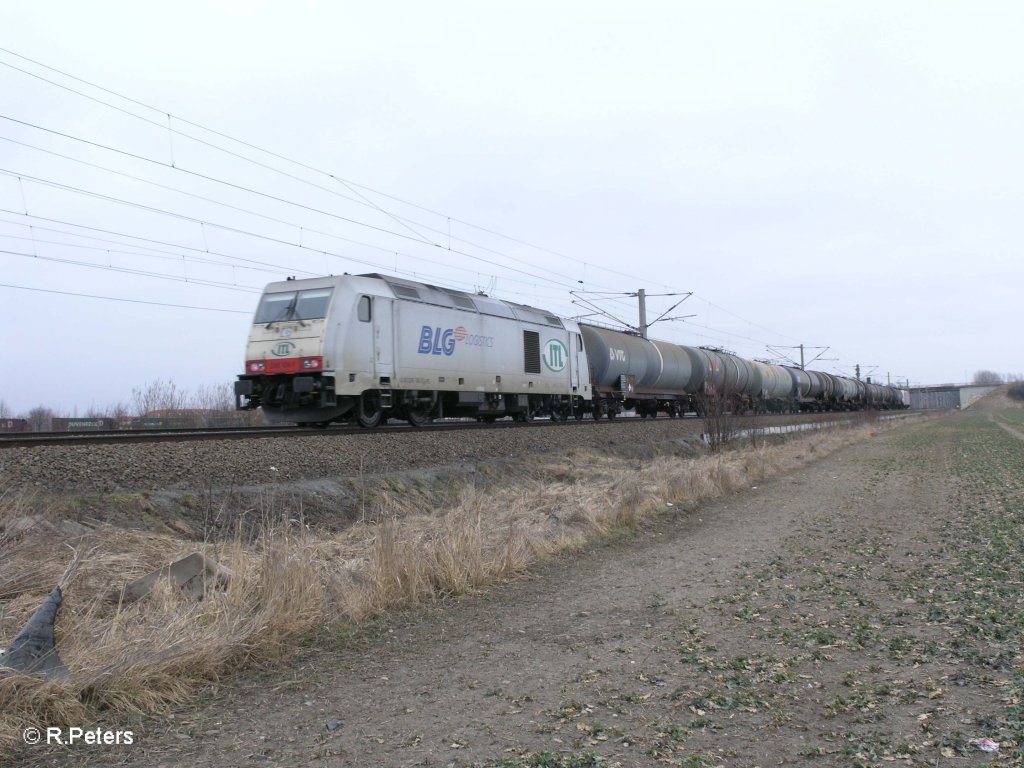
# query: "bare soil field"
863,610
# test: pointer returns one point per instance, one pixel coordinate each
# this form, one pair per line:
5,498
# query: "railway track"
26,439
29,439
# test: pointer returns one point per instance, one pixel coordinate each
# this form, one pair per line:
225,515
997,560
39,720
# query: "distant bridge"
948,396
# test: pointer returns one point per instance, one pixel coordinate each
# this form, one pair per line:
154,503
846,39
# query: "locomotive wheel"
558,414
370,412
417,414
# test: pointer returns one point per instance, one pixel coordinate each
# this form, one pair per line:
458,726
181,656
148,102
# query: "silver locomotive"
366,348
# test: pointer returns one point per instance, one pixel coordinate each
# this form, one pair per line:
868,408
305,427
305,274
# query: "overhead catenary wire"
248,263
257,235
218,148
172,165
139,272
131,301
177,258
351,185
237,230
300,164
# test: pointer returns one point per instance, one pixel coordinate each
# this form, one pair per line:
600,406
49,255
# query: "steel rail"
87,438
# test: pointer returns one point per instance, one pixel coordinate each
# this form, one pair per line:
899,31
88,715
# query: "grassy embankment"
291,581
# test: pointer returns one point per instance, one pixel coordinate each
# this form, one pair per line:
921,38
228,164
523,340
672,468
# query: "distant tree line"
209,403
991,378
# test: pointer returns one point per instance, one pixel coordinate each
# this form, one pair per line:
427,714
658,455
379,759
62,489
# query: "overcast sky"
845,175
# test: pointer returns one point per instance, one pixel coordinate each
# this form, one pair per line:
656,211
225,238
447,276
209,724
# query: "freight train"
368,348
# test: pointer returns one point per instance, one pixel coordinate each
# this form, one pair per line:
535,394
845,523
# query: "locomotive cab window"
312,305
293,305
364,309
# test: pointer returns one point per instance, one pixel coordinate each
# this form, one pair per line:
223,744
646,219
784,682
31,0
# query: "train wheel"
417,414
417,417
371,414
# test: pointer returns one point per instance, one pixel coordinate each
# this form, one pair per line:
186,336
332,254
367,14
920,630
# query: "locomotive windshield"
293,305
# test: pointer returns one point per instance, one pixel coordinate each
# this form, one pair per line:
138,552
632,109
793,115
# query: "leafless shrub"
214,397
40,419
210,405
717,409
990,378
158,395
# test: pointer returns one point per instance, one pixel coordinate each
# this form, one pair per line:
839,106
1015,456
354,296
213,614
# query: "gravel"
136,467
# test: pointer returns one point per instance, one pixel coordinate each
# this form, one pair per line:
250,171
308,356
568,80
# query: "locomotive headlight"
257,366
312,363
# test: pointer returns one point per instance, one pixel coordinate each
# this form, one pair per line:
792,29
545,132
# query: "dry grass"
148,656
145,657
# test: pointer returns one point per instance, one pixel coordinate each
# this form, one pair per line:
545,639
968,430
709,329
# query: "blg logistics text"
435,341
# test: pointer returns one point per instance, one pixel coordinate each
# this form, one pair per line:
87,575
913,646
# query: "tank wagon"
630,372
365,348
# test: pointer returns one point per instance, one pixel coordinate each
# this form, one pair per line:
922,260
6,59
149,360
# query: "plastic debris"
194,575
986,745
35,649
